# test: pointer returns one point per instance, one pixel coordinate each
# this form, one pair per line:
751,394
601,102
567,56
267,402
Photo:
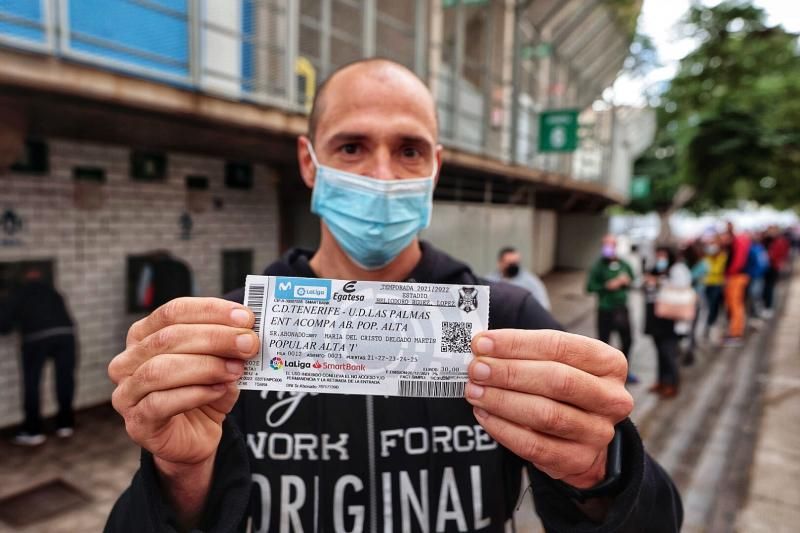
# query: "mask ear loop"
312,154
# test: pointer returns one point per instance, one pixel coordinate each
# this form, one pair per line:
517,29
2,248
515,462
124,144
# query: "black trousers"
667,349
609,320
770,280
34,356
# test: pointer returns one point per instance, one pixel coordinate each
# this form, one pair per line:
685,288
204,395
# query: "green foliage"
732,112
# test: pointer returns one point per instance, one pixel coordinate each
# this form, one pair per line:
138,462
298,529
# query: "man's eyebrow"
346,137
352,136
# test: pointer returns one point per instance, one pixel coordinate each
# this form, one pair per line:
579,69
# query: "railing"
274,52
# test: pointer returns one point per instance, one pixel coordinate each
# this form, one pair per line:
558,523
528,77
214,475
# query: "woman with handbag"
670,308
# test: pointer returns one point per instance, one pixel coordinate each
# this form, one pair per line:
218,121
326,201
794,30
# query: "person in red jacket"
778,249
736,280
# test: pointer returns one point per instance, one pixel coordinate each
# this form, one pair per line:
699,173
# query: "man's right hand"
176,378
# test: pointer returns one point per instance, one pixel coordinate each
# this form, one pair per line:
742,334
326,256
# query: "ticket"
363,337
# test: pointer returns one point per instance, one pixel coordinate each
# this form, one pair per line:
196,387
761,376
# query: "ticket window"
12,273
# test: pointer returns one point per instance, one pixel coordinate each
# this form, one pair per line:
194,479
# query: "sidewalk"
773,499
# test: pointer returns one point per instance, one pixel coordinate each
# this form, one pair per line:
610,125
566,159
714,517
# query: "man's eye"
410,152
349,148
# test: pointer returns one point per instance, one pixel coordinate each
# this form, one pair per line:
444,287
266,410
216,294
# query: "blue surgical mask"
373,220
662,264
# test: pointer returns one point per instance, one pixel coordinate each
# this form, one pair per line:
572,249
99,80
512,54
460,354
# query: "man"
611,278
736,280
324,462
510,271
38,311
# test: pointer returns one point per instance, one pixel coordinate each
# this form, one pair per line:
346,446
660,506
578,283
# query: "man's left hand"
552,398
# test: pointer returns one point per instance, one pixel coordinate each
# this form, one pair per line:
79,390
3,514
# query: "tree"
731,115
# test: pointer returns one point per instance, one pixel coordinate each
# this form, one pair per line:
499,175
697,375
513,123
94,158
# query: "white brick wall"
90,248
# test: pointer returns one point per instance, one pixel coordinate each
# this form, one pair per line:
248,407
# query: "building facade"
128,126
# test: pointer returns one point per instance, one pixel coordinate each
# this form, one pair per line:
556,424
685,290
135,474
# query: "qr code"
456,337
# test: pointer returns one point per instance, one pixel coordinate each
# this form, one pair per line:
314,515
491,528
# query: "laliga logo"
276,363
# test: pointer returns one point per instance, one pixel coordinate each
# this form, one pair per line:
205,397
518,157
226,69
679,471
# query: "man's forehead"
362,93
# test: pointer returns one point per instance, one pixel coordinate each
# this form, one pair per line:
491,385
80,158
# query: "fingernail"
244,342
481,371
234,366
485,346
480,413
240,317
474,391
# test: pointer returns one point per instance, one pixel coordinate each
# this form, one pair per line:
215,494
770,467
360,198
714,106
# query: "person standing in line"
667,272
611,278
717,258
756,268
777,246
38,311
698,265
736,280
510,271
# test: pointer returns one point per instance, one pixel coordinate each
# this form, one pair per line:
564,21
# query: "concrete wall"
545,235
579,239
474,233
89,248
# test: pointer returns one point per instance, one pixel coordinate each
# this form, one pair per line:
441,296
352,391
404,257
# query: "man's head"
609,246
33,274
375,118
508,260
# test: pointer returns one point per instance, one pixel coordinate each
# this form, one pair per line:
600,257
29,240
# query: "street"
705,438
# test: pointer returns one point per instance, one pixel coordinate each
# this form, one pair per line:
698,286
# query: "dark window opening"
236,265
148,166
34,159
238,175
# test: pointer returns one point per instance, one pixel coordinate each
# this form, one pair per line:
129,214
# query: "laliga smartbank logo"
303,289
276,363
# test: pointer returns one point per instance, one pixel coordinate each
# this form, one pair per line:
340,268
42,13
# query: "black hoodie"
345,463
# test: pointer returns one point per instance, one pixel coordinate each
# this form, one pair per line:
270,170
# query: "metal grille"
269,51
148,35
464,75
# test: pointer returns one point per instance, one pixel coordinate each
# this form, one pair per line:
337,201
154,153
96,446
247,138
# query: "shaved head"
391,75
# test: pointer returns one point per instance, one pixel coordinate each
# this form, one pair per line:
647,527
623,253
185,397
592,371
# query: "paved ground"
707,438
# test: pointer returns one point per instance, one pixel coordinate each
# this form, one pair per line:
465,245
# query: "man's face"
510,258
378,122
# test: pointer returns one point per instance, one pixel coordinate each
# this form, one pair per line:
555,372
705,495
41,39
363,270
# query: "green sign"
640,187
529,51
453,3
558,130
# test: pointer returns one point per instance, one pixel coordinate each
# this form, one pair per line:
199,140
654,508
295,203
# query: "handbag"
674,303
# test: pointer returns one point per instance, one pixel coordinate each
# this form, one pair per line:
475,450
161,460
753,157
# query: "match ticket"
363,337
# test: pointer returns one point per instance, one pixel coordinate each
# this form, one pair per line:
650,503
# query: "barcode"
431,389
255,301
456,337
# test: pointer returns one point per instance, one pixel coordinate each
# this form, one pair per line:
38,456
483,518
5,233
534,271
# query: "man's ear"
307,167
438,155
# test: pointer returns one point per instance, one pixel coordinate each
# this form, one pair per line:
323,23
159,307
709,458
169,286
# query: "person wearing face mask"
611,278
666,332
510,271
537,398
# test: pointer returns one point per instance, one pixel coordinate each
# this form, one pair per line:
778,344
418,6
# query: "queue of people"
686,289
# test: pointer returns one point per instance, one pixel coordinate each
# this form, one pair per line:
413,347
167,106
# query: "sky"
658,20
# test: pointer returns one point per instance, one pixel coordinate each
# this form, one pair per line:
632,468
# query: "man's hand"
550,397
176,381
619,281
